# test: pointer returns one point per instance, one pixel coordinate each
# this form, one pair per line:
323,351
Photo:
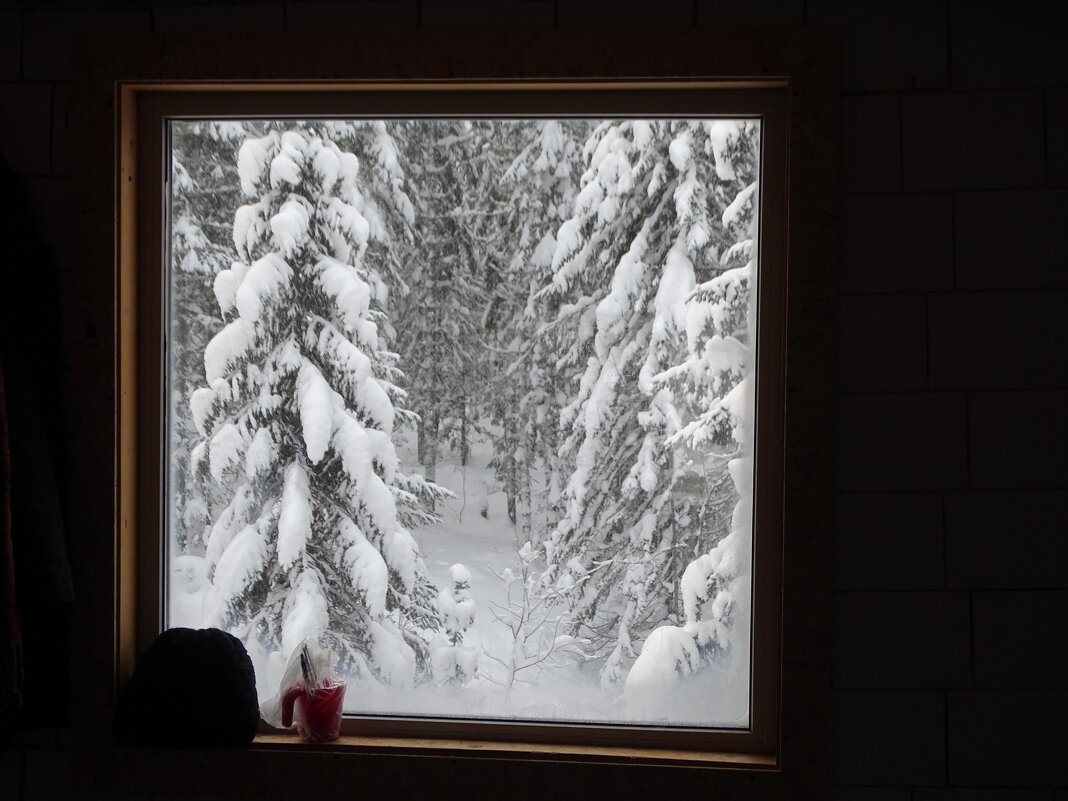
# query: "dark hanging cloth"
11,654
37,587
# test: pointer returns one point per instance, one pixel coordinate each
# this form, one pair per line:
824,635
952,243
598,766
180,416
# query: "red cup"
318,711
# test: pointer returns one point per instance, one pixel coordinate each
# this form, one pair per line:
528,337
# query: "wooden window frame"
787,77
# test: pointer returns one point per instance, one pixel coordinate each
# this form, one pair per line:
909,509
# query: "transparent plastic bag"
310,696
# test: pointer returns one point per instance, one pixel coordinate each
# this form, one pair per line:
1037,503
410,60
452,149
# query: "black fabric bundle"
192,688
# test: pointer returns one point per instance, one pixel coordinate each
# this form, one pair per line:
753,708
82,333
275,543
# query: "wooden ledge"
490,749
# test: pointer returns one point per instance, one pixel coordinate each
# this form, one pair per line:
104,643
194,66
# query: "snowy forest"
470,403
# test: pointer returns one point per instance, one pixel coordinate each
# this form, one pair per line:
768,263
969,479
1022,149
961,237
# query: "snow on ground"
484,545
487,546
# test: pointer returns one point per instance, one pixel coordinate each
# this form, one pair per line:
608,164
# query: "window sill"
488,749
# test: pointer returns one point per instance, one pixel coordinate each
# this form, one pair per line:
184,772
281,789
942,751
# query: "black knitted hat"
191,688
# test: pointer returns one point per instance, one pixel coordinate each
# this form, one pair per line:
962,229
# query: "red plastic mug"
319,711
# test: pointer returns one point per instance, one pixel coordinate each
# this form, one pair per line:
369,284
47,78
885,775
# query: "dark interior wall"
952,482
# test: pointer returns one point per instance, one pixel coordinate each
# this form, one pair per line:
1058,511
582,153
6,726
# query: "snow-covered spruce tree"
297,421
715,382
652,221
204,196
455,663
540,185
438,320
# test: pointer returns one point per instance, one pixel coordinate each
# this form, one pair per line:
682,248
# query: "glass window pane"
469,402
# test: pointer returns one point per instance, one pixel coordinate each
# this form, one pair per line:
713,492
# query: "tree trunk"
528,486
465,447
430,462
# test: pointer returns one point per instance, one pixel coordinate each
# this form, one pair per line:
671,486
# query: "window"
270,576
420,365
469,401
